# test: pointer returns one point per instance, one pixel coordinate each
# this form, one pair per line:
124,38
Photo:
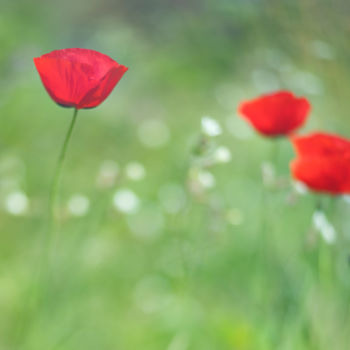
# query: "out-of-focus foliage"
169,236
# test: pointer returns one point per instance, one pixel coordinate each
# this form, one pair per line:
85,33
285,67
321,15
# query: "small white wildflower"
126,201
325,228
153,133
346,199
300,187
206,179
135,171
222,154
210,126
78,205
17,203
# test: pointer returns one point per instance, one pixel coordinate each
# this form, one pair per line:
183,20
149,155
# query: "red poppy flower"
78,78
276,114
322,163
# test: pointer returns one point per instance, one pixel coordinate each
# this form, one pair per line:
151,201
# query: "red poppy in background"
78,78
322,163
276,114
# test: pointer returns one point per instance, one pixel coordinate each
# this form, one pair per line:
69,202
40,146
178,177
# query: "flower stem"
55,182
38,289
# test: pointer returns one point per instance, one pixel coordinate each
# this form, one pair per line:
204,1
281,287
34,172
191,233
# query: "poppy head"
78,78
322,162
276,114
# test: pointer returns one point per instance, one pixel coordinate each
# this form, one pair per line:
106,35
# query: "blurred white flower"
172,197
108,173
17,203
325,228
135,171
78,205
153,133
346,198
222,154
206,179
300,187
126,201
210,126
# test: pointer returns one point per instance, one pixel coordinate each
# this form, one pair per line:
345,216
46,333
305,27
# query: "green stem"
38,289
325,259
55,182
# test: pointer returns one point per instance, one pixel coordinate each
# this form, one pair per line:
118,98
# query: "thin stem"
55,182
264,249
38,289
324,263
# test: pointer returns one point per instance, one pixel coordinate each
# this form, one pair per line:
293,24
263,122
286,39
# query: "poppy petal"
276,114
319,143
322,163
104,87
79,78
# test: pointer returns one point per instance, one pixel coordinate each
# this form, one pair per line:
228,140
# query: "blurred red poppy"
322,163
78,78
276,114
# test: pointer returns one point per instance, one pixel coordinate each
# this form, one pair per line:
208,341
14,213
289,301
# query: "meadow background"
157,250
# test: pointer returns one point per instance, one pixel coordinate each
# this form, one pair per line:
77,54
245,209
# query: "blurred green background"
171,239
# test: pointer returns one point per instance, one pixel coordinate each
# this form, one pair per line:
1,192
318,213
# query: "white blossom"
210,126
135,171
126,201
325,228
206,179
17,203
222,154
78,205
